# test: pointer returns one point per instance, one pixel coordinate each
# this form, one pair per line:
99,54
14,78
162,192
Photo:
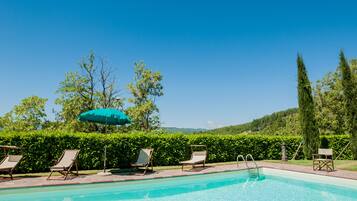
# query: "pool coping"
110,179
93,179
343,174
122,181
314,178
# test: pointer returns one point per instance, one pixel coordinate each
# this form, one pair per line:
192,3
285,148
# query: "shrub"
41,148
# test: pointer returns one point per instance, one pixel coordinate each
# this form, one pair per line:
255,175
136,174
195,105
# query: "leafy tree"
94,86
28,115
329,100
350,101
308,122
145,89
328,96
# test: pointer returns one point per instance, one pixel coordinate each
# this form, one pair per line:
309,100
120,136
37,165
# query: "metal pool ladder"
246,163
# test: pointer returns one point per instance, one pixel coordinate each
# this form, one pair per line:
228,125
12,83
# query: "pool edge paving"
92,179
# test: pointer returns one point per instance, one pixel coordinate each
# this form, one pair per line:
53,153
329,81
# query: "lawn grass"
350,165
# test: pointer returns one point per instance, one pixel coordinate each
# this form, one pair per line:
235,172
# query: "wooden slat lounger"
9,163
144,159
65,163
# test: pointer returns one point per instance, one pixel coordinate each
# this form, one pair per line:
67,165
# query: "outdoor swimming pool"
238,185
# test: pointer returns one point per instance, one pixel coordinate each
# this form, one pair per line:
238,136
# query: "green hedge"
40,148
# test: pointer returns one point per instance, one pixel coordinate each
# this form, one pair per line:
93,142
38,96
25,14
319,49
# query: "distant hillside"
183,130
278,123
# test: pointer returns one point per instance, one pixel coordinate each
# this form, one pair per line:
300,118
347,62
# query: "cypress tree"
350,98
310,132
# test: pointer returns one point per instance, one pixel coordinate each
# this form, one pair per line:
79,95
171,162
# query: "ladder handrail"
251,157
241,156
246,163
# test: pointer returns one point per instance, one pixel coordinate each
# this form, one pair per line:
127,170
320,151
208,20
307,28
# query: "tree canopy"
350,101
145,88
27,116
330,101
93,86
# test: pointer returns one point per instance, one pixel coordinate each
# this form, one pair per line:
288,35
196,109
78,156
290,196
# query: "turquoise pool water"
231,186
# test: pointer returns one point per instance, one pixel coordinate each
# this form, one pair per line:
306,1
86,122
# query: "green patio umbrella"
107,116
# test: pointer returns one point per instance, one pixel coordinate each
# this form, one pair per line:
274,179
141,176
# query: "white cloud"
213,125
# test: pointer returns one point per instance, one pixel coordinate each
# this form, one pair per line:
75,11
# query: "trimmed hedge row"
40,148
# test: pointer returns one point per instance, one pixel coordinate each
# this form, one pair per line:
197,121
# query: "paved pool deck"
19,182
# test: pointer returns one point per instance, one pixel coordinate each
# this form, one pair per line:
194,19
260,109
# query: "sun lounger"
197,157
65,163
324,158
9,163
144,159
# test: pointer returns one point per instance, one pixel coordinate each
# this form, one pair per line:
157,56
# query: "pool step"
253,173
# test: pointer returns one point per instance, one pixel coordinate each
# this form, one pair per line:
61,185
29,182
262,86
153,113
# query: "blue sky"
223,62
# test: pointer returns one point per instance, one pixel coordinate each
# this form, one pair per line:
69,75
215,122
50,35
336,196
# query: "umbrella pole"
105,173
105,157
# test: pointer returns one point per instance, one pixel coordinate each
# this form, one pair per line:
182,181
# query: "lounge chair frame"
324,158
146,165
203,162
10,171
65,171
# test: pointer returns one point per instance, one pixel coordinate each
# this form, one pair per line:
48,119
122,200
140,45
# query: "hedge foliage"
40,149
